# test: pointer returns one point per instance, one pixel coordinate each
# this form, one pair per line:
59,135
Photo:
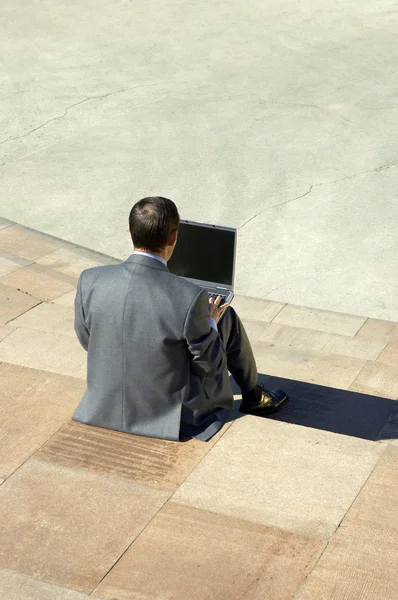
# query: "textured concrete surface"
278,118
68,261
72,525
320,320
327,343
156,463
302,481
306,364
26,244
375,329
34,405
13,303
214,557
10,263
67,300
14,586
79,505
5,330
48,317
378,379
46,351
390,355
361,559
39,282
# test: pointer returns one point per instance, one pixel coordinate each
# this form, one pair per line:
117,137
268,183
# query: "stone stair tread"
282,335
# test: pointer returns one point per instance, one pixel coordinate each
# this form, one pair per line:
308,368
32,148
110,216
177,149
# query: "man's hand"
217,311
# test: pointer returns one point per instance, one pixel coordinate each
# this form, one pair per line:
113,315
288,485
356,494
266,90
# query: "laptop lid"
205,254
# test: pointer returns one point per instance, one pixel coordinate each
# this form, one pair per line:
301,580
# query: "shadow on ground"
329,409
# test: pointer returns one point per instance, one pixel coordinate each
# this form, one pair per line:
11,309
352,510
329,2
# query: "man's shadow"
330,409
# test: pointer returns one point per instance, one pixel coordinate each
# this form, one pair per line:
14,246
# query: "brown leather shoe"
266,402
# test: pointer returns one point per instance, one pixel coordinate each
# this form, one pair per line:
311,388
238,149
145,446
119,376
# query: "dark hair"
151,221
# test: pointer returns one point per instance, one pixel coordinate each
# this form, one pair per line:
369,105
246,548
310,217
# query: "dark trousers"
240,358
242,366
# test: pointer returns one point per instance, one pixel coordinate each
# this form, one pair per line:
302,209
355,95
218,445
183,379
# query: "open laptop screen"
204,252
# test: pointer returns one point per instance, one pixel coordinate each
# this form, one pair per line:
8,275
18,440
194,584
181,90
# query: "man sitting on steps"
158,349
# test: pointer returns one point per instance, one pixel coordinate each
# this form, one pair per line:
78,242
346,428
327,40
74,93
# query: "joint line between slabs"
154,516
341,520
128,547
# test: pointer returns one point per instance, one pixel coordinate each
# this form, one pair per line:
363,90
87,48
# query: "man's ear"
172,238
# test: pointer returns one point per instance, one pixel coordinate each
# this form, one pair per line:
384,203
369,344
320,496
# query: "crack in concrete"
347,85
271,291
59,117
314,185
276,206
386,107
306,105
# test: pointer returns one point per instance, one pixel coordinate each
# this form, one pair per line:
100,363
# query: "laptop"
205,255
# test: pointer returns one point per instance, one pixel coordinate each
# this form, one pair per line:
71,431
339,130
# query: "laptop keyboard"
212,295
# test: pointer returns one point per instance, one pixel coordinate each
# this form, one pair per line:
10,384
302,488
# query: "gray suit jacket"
154,364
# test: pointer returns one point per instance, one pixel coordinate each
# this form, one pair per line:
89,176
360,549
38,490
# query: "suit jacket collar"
147,261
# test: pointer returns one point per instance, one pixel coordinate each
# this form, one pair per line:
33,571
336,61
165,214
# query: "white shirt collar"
159,258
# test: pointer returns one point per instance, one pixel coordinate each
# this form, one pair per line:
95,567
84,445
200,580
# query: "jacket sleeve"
209,357
81,329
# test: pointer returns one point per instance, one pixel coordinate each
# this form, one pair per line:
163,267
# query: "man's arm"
82,332
209,357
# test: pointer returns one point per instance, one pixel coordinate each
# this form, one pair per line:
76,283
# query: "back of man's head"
151,222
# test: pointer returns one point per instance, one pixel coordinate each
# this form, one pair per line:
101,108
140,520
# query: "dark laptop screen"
204,252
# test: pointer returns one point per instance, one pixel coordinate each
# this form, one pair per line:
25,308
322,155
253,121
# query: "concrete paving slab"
307,365
69,261
25,243
327,343
10,263
14,303
5,223
34,405
299,479
48,317
8,266
256,309
389,355
40,282
44,351
14,586
319,320
383,483
254,329
5,330
376,329
378,379
72,525
67,300
211,556
360,561
314,239
156,463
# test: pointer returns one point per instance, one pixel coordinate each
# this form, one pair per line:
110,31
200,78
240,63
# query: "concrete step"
279,335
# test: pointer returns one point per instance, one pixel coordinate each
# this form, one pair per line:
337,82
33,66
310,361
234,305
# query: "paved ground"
300,506
276,117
